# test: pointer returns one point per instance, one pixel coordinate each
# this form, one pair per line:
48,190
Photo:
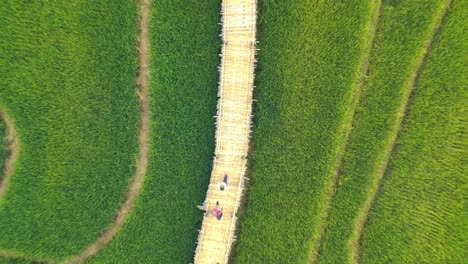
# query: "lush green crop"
163,226
67,76
308,61
68,80
420,215
401,32
3,148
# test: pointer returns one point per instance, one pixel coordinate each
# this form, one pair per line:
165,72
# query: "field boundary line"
355,240
346,128
13,147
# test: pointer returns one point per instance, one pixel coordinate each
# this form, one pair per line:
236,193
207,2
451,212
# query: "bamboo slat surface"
232,132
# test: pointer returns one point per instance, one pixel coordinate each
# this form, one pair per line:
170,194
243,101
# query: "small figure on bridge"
220,214
216,212
223,185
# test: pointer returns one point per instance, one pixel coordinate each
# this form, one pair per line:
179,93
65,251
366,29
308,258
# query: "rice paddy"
358,148
67,81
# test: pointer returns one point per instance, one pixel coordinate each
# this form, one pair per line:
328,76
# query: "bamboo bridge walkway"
233,129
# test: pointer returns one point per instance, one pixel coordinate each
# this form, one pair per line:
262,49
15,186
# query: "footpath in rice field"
232,133
10,152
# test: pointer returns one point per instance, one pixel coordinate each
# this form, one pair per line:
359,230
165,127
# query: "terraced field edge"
419,214
354,243
347,125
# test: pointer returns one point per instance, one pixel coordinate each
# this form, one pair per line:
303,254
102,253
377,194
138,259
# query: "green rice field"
358,146
399,42
164,225
67,79
420,215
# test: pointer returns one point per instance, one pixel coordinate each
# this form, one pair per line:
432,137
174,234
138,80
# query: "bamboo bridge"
232,130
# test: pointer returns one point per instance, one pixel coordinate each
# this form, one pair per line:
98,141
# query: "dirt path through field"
12,145
382,166
142,82
346,129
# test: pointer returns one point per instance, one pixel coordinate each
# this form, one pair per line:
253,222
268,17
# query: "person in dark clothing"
223,185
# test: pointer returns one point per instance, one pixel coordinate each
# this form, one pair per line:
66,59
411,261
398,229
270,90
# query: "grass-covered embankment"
68,80
163,226
401,34
310,55
420,214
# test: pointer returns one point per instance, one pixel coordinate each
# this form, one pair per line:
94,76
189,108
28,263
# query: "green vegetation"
15,261
308,61
67,77
3,148
68,80
420,215
163,226
401,32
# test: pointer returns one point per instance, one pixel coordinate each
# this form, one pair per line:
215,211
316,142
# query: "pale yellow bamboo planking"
232,131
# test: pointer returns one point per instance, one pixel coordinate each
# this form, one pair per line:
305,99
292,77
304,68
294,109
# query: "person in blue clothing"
223,185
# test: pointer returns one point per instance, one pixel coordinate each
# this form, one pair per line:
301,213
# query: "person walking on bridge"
216,212
223,185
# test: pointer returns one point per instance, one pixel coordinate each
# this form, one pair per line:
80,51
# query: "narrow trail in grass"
346,127
354,243
12,146
12,257
233,130
142,82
